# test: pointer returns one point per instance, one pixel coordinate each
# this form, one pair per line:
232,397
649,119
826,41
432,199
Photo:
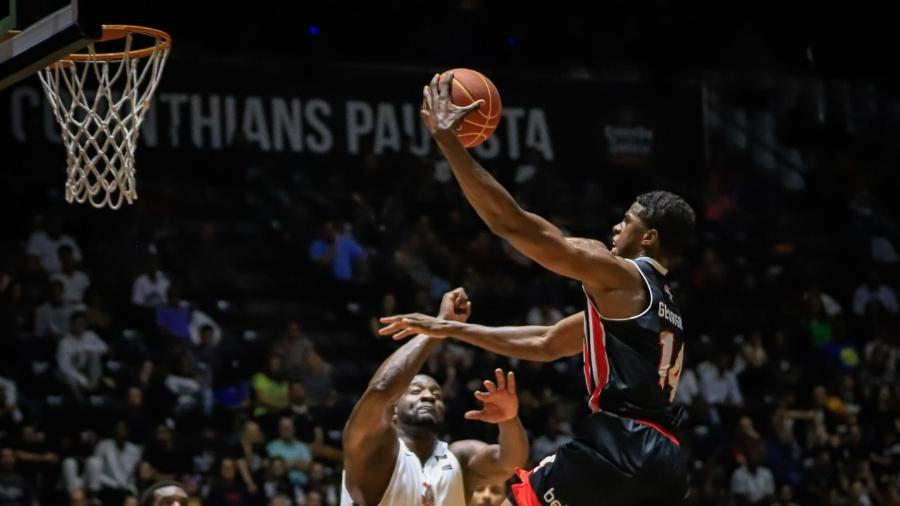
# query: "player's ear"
651,237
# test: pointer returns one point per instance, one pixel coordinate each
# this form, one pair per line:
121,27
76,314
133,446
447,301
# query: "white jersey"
438,483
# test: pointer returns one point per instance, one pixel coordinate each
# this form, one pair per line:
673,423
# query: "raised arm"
534,236
536,343
487,464
370,440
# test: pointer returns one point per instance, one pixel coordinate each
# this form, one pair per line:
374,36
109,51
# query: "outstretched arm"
536,343
485,464
370,441
534,236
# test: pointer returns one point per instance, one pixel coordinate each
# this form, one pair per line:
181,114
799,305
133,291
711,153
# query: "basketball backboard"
43,31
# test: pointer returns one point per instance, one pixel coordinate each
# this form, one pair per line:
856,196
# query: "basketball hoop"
100,129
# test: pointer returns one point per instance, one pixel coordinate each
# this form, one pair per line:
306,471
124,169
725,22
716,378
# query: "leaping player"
631,334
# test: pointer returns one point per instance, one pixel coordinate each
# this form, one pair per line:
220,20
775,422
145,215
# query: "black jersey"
632,365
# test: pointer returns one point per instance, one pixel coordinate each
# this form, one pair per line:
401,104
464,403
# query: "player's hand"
439,113
500,400
455,305
407,325
455,308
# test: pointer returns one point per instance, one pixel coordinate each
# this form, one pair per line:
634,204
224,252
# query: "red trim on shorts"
522,492
668,435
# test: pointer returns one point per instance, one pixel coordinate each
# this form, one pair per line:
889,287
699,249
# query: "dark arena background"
281,130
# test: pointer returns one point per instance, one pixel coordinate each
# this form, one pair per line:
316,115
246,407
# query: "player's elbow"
545,349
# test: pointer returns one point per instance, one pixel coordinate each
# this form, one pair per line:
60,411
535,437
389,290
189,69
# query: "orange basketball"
469,86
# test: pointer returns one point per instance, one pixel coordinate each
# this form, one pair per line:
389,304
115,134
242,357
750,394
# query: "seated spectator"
785,496
718,383
36,457
44,244
225,489
277,482
270,389
74,281
14,488
150,288
164,456
191,391
751,483
248,453
295,453
119,459
338,250
202,457
321,485
10,415
79,357
136,416
874,295
52,317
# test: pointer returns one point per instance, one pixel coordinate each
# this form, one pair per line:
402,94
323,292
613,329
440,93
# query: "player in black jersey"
631,335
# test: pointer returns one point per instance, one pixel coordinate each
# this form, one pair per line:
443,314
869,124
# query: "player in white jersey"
392,454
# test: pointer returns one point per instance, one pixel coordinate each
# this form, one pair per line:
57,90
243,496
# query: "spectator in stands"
45,242
10,414
36,456
718,383
295,453
225,489
74,281
151,288
320,484
277,482
14,488
270,388
248,453
119,459
785,496
166,458
874,295
337,249
52,317
752,484
79,357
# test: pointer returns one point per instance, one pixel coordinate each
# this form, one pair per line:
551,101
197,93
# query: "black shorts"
613,461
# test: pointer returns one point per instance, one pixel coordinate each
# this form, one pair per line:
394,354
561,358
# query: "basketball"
470,86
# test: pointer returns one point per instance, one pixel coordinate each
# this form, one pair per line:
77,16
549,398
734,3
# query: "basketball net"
100,128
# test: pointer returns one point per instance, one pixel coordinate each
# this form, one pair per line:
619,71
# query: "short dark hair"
671,216
148,495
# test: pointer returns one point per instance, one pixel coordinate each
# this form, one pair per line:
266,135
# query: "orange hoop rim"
116,32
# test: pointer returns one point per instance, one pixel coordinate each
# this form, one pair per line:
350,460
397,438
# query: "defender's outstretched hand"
439,113
500,400
455,308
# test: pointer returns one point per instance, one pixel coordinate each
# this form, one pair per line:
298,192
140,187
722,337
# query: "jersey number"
669,366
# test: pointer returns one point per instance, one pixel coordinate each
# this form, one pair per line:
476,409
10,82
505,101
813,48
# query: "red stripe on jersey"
588,383
599,362
523,492
666,434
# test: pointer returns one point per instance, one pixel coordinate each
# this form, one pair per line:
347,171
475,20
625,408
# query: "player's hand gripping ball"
463,101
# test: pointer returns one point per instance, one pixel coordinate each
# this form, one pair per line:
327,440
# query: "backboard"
43,31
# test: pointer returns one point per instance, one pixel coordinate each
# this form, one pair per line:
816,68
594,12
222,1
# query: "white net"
100,104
